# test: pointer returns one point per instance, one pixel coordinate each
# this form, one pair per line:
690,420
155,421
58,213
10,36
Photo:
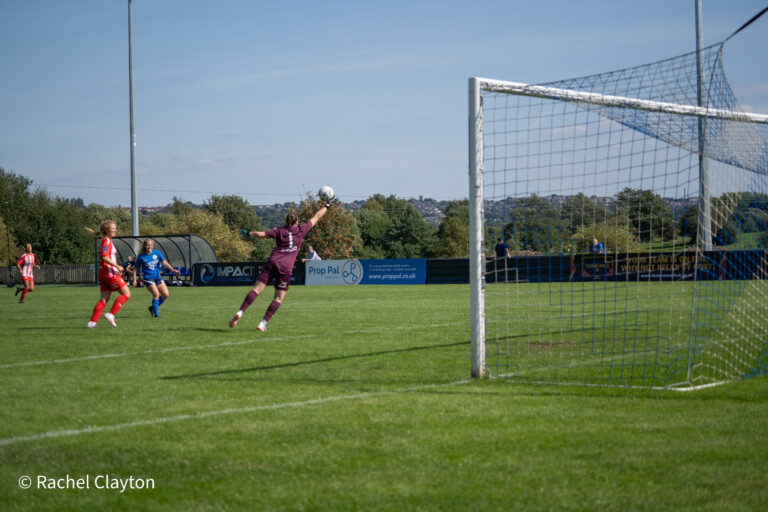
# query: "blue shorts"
153,280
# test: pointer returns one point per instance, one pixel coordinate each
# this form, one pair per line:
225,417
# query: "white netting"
668,303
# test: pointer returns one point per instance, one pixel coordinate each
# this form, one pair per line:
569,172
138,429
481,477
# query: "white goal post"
752,157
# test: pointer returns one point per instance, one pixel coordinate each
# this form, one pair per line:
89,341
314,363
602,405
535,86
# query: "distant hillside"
432,210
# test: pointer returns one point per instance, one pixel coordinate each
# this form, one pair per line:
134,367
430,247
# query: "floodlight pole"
134,204
704,231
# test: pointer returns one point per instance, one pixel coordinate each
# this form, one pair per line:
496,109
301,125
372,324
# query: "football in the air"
325,193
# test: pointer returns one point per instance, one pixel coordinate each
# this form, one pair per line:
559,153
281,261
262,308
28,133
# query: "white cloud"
208,163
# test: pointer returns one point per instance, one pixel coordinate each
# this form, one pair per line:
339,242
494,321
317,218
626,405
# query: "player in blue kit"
148,264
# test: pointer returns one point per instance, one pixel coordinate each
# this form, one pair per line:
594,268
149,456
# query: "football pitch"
355,398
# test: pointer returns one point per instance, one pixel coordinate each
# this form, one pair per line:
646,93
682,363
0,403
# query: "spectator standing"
502,249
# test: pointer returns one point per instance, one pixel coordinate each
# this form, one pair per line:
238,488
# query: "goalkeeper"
279,266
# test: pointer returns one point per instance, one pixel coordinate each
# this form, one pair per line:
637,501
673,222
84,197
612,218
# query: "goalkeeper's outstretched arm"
314,220
319,214
322,211
253,234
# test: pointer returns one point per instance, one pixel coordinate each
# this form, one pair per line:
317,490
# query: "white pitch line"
68,360
200,347
221,412
123,354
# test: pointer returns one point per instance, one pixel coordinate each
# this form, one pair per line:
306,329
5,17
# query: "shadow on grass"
314,361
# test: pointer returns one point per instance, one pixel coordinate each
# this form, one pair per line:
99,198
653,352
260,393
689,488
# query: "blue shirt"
596,249
149,265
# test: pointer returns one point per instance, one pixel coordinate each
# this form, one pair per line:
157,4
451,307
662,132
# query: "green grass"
749,241
354,399
675,245
630,333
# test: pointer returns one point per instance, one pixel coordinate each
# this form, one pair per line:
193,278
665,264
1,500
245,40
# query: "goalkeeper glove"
331,202
245,233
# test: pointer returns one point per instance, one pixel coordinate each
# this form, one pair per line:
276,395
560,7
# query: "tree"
54,227
399,231
613,233
726,234
649,215
731,214
335,236
373,223
14,198
56,231
235,211
15,201
95,214
688,224
536,226
453,232
9,246
226,243
580,211
179,207
238,214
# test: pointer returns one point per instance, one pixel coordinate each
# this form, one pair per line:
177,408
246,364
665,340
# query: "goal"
658,164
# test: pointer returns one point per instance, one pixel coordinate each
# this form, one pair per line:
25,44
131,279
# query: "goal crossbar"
542,91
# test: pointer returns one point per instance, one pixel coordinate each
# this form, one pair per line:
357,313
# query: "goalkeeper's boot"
111,319
262,326
234,320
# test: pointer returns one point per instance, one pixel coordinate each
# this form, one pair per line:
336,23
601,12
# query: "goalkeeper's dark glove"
331,202
245,233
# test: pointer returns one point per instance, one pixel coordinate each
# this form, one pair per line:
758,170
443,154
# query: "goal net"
619,228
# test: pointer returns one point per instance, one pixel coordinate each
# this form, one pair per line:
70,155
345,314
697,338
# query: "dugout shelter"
181,251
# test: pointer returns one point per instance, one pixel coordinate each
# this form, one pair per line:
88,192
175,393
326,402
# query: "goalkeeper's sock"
248,300
273,306
97,309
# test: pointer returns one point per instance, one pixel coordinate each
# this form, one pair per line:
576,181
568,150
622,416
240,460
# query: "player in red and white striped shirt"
110,277
25,265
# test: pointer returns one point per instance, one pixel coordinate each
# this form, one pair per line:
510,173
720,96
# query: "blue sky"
272,99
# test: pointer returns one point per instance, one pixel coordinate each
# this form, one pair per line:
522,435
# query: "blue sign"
353,272
223,274
394,271
229,274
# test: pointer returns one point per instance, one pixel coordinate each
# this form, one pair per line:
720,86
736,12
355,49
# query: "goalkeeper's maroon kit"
280,263
279,266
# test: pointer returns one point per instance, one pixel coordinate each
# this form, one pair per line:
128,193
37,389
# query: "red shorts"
111,283
270,271
27,278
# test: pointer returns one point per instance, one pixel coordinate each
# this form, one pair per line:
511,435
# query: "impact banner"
353,272
224,274
232,274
